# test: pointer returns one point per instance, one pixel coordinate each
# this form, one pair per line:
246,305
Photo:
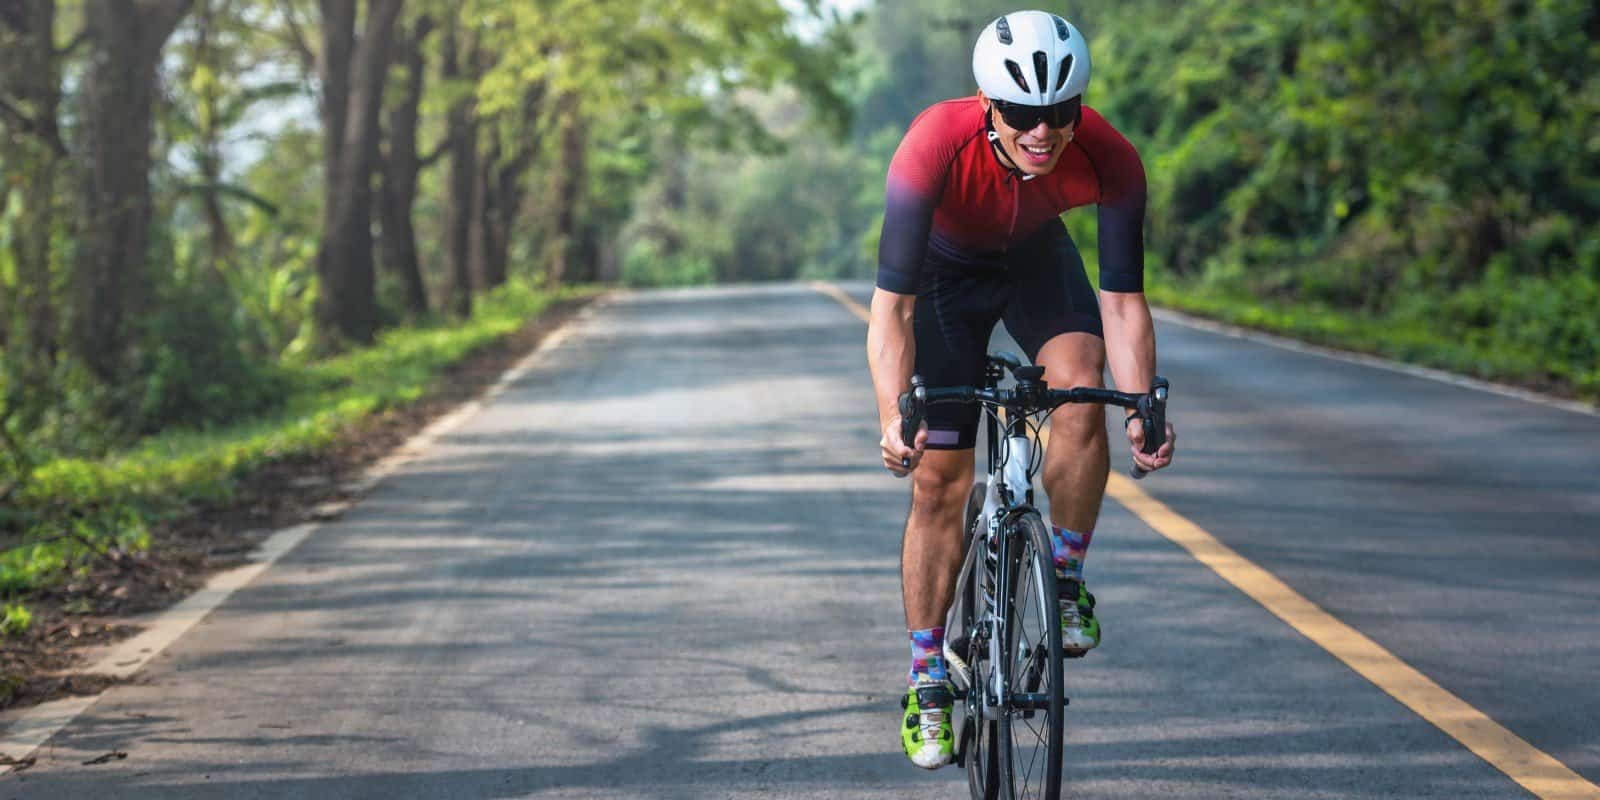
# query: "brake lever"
912,404
1153,418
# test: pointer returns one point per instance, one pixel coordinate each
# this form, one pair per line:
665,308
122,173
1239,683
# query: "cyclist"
972,235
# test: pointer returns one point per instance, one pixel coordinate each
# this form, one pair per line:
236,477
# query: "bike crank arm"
959,670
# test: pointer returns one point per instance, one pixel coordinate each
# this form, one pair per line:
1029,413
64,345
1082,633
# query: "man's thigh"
955,314
942,481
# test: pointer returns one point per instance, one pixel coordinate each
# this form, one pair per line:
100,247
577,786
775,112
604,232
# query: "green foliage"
1428,169
220,370
645,265
274,278
195,371
85,504
15,621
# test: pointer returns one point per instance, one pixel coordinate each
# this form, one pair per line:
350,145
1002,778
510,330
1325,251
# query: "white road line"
1363,359
31,728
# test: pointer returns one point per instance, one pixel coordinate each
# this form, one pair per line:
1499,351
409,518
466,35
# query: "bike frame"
1008,493
997,531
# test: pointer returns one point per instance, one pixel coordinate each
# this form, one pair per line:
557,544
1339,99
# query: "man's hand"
1146,461
895,452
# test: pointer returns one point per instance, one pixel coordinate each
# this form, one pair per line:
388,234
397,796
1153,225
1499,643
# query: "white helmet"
1031,57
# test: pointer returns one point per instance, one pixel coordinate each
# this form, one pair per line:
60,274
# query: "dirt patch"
89,610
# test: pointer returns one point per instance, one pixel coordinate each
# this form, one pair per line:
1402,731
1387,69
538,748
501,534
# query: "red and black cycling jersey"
949,191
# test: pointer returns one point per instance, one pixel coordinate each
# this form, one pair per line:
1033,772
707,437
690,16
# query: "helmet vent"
1016,74
1041,67
1061,29
1061,78
1002,29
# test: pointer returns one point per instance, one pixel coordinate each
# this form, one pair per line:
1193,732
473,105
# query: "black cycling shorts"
1039,288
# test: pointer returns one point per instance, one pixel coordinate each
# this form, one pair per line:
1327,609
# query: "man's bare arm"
891,357
1131,354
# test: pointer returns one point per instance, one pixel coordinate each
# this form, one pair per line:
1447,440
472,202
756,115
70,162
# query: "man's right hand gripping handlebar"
1153,429
906,437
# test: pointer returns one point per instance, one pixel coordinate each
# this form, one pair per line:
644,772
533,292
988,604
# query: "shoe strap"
1071,590
932,697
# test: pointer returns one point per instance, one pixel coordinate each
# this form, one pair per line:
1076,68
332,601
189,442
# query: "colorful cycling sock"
1069,550
927,656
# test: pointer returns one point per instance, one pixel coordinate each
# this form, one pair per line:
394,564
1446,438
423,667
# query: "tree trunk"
610,268
585,263
507,191
460,210
498,223
125,40
347,301
481,248
401,166
564,266
30,151
333,70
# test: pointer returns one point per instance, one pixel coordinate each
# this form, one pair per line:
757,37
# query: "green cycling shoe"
1080,631
926,734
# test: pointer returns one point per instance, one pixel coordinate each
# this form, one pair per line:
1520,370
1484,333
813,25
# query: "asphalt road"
665,565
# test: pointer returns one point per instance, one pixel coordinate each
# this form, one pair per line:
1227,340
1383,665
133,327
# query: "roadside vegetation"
233,230
1417,179
74,509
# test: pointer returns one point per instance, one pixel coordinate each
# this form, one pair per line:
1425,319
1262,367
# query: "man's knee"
1072,360
1080,425
941,481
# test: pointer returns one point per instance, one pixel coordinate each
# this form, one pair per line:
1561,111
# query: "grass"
1448,347
1510,329
83,506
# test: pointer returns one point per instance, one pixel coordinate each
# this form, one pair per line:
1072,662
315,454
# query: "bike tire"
981,749
1031,744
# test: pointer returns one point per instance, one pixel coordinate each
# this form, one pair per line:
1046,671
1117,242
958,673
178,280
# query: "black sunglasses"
1026,118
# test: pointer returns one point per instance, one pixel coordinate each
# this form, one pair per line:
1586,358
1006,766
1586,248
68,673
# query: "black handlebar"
913,405
1153,418
1030,396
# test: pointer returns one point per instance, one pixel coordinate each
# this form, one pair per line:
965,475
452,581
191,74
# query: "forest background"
228,228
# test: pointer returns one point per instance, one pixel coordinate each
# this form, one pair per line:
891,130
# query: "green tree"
117,106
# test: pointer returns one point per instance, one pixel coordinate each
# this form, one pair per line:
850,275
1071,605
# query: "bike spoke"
1030,726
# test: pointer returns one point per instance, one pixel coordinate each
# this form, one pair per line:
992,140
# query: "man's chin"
1040,170
1028,166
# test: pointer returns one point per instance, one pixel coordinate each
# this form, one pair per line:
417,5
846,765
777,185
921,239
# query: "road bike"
1003,630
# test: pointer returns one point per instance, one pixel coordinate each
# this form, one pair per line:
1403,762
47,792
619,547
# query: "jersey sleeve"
914,187
1121,203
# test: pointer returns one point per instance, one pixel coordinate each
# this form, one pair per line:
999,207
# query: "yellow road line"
1529,766
1522,762
845,300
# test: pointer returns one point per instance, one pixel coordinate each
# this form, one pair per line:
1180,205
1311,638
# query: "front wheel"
1031,722
978,744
